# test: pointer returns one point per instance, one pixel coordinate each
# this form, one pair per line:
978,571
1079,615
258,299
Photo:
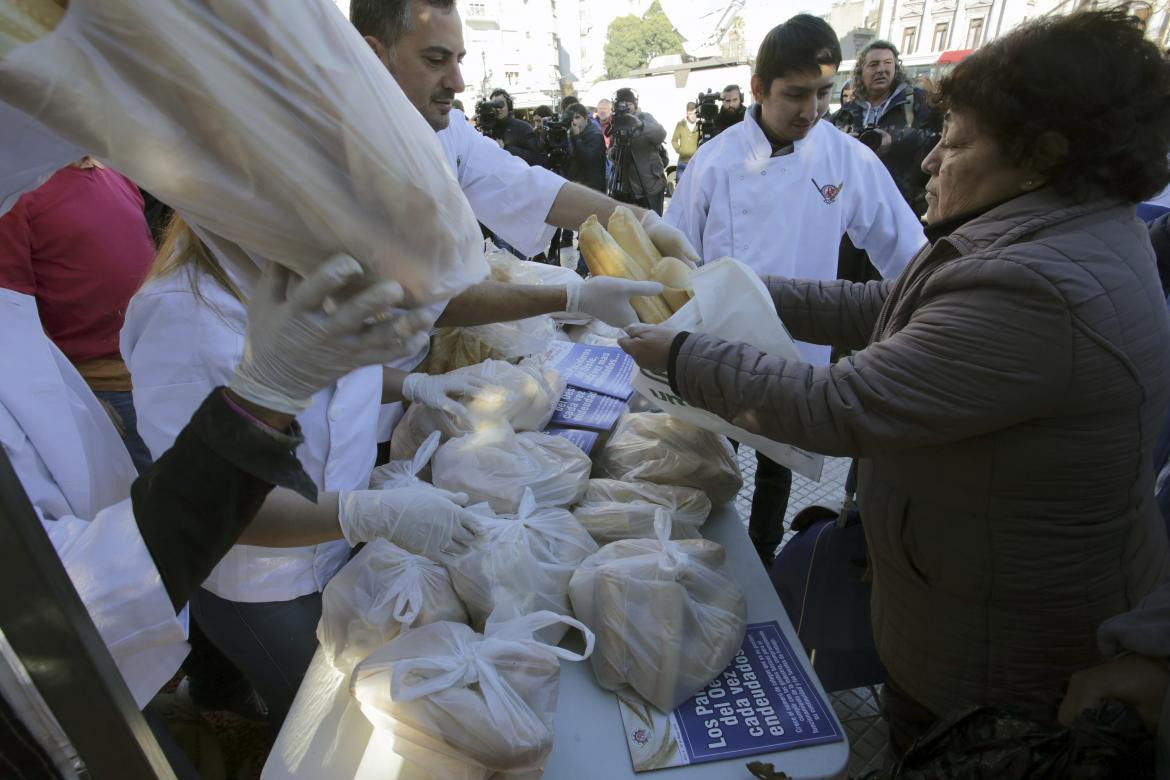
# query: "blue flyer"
763,702
606,370
586,409
585,440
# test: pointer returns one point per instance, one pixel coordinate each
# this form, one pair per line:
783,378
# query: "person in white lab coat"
421,43
778,190
260,606
134,562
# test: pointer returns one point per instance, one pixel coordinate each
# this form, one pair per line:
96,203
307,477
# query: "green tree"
633,42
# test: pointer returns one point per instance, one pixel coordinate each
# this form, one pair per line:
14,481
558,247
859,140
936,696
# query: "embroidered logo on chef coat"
829,192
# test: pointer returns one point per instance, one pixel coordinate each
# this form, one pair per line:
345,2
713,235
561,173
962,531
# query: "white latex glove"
425,521
607,298
294,347
439,391
669,240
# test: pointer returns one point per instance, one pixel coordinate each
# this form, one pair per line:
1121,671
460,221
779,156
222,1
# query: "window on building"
940,36
512,77
975,33
476,9
908,36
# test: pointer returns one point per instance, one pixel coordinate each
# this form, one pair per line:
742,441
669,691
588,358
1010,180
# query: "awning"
953,56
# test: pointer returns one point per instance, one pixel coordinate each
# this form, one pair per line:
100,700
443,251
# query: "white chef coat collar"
761,147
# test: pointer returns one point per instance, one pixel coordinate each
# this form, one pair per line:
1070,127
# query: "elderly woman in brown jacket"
1008,387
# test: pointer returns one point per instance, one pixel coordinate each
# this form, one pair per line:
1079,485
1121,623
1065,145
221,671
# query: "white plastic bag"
660,448
752,320
496,465
381,592
667,619
464,705
523,396
613,510
522,562
269,124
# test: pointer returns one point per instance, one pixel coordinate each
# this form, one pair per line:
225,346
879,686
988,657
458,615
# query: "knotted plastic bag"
269,124
657,447
522,562
612,509
464,705
496,465
523,396
667,619
410,472
377,595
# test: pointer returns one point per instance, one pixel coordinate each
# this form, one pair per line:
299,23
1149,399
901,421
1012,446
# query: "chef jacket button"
745,211
763,173
741,178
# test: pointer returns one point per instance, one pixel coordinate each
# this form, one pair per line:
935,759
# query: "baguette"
604,257
675,276
632,237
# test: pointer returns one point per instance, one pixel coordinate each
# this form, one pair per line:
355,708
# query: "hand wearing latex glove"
669,240
424,521
439,391
607,298
294,347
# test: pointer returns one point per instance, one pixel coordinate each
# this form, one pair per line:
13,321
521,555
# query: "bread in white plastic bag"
522,562
612,509
269,124
464,705
667,619
523,396
496,465
382,591
656,447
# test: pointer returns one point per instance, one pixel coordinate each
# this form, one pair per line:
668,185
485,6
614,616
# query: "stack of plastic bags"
379,594
655,447
611,509
464,705
523,396
668,620
522,562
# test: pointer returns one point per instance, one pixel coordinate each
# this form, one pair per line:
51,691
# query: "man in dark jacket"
893,118
587,159
731,109
512,134
638,175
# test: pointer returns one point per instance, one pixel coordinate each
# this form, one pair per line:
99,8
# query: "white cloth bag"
269,124
752,320
667,619
376,596
464,705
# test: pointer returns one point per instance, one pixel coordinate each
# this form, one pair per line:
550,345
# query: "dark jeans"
123,403
769,503
271,642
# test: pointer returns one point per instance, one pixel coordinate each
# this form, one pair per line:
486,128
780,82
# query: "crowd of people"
978,311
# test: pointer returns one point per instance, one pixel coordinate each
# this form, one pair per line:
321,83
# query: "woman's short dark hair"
802,44
1090,78
501,92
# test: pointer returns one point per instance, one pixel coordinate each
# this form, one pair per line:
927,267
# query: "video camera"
485,113
706,106
871,136
553,135
624,122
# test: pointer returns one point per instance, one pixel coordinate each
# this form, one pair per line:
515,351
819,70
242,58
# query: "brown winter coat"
1004,413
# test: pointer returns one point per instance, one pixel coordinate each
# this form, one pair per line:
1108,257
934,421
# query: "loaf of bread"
613,509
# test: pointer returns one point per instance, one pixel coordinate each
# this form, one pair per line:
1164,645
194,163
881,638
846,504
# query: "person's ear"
378,49
758,90
1050,152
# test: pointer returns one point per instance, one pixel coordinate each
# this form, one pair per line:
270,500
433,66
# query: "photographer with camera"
495,120
686,139
587,155
893,118
732,111
639,174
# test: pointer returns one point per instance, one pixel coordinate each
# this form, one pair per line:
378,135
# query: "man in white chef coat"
778,190
421,42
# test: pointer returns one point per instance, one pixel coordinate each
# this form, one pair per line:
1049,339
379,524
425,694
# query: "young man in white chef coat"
778,190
